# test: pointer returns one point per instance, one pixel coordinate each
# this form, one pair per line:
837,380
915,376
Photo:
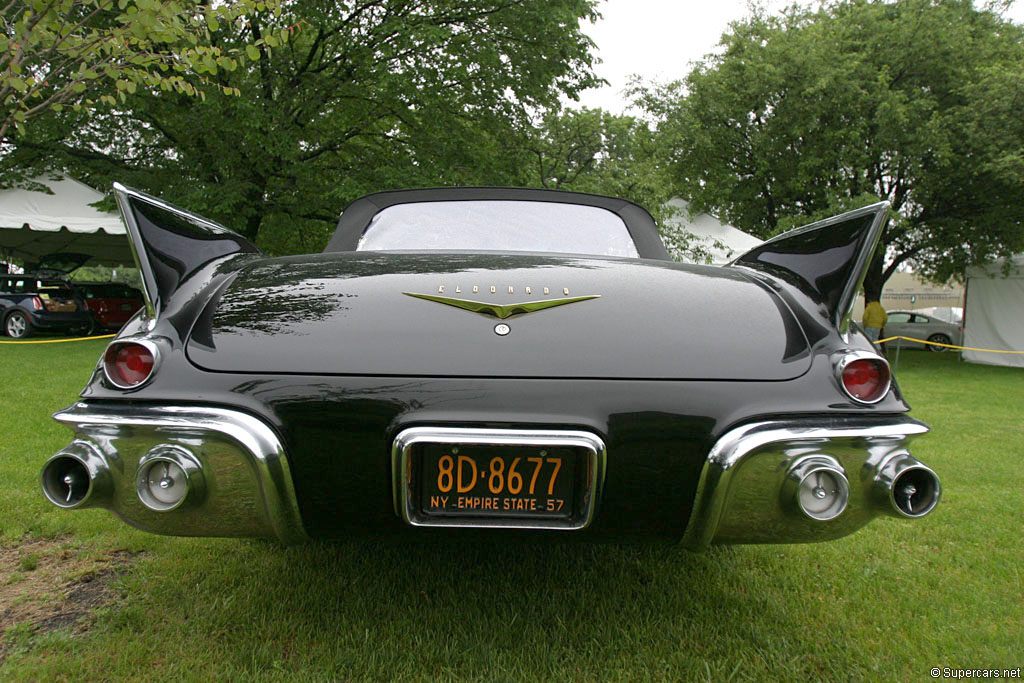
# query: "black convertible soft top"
357,215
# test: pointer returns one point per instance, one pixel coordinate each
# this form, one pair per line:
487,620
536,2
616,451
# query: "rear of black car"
554,394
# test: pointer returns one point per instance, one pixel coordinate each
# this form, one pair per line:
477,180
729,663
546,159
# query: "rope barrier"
948,346
59,341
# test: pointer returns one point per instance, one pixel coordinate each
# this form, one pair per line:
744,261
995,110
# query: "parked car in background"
950,314
33,302
927,328
110,303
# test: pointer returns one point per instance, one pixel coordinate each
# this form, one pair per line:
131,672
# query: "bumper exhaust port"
817,486
906,487
77,477
169,477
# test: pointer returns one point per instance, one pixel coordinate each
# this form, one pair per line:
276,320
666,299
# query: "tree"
368,96
84,53
591,150
809,113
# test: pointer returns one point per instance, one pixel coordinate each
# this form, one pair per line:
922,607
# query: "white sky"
658,39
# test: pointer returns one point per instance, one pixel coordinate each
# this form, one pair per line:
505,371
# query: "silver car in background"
927,328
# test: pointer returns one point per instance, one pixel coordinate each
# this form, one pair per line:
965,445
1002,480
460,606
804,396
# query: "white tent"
34,224
994,315
709,230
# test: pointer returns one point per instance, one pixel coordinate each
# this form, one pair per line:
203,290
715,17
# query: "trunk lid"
367,313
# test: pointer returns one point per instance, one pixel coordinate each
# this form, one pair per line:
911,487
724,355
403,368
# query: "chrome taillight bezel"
110,376
843,360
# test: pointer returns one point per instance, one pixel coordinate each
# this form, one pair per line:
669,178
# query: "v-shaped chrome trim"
501,311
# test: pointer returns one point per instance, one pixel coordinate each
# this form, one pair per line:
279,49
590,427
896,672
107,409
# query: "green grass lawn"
891,602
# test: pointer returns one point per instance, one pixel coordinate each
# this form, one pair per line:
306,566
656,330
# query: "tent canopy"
709,230
34,224
995,312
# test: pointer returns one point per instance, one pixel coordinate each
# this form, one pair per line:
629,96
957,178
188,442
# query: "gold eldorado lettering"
494,289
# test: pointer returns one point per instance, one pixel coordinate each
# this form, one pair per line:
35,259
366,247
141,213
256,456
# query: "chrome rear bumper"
742,496
238,481
247,486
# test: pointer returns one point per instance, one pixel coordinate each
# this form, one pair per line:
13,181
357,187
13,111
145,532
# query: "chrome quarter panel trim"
249,489
738,499
401,453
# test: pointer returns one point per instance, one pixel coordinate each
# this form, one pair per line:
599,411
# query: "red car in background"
111,304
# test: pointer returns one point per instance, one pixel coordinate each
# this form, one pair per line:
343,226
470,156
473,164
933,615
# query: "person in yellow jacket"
875,318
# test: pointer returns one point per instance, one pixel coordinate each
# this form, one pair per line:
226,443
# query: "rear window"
54,289
499,225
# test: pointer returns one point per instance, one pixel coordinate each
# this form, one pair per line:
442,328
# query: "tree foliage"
364,96
809,113
591,150
85,53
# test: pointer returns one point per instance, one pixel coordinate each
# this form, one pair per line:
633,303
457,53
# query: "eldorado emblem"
502,311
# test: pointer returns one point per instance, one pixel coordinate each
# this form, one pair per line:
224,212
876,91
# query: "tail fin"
171,244
827,260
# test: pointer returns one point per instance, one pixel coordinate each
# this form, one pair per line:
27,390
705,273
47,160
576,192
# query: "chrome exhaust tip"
906,487
77,477
169,477
816,486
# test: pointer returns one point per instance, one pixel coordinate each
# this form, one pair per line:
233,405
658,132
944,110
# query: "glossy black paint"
357,215
347,313
825,260
172,245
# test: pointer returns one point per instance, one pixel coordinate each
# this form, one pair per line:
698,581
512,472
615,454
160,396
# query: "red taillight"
37,304
866,379
128,364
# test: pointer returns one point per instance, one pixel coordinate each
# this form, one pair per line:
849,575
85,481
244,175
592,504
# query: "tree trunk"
252,226
874,280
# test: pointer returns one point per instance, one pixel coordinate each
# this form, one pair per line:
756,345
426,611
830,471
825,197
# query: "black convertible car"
506,359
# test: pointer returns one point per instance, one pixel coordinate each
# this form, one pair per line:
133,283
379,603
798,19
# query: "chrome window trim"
256,437
150,345
844,358
733,446
407,438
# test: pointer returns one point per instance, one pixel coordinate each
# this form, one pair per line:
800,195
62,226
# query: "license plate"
497,477
498,481
126,307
